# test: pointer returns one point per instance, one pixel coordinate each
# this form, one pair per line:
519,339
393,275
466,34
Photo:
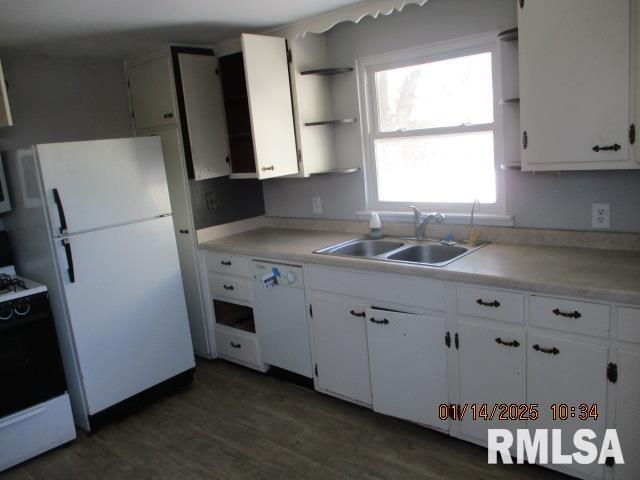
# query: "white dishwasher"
280,314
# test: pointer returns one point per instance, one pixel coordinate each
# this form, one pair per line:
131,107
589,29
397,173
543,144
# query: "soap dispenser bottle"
375,227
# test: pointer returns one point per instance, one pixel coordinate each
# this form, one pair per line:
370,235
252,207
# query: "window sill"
481,219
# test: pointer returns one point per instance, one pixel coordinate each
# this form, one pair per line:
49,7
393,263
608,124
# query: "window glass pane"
443,93
456,168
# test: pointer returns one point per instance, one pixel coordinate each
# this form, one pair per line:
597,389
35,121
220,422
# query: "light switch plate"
316,203
600,215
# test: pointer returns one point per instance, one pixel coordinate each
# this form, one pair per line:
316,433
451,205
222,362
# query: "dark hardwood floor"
235,424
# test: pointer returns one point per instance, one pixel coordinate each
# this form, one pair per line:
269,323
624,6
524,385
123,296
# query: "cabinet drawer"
400,290
629,325
238,346
228,264
492,304
570,316
230,287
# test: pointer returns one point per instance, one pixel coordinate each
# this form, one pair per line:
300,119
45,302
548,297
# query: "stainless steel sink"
429,254
417,252
364,248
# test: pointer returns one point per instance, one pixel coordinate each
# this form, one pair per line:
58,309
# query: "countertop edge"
589,293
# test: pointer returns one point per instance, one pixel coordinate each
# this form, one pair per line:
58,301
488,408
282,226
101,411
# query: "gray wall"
537,201
60,99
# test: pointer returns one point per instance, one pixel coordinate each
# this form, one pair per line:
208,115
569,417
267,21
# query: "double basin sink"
417,252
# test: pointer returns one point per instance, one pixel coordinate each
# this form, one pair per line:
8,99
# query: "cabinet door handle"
384,321
494,304
227,287
270,167
182,230
356,314
168,115
235,345
574,314
226,263
514,343
615,147
551,351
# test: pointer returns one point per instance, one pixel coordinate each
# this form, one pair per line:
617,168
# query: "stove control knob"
291,277
23,306
6,311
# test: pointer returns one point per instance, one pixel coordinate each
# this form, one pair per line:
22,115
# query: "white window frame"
366,68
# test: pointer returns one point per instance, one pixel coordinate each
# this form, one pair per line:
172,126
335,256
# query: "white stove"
13,286
35,413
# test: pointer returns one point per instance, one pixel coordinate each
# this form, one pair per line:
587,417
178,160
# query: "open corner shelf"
509,35
336,171
330,122
327,71
510,101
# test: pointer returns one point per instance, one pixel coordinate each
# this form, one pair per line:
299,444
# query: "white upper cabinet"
152,98
574,61
5,113
204,114
269,95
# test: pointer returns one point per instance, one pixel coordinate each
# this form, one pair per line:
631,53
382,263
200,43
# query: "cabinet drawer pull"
574,314
494,304
384,321
226,263
514,343
356,314
270,167
168,115
235,345
552,351
615,147
182,230
227,287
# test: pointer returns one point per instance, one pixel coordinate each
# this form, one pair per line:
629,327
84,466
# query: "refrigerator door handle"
66,243
63,220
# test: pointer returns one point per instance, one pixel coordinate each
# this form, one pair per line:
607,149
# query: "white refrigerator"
92,221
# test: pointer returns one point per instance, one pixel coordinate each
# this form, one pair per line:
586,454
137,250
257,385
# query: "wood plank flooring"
238,424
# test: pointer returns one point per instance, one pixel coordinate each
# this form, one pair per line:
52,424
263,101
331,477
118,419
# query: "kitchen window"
431,130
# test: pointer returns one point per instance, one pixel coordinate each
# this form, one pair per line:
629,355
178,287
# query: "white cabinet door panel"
267,73
408,360
127,309
628,414
78,171
187,253
561,371
205,116
574,83
151,94
492,372
340,348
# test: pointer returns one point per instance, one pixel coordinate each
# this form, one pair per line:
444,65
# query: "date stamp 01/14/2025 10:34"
516,411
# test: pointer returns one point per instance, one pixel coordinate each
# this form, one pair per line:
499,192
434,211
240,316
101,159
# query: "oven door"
30,363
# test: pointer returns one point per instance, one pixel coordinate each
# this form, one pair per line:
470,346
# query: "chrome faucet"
421,220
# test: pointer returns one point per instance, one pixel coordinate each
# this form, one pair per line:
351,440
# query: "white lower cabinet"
573,373
408,361
340,348
628,414
492,363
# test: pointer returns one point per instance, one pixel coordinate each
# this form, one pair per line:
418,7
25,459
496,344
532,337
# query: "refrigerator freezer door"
103,183
127,309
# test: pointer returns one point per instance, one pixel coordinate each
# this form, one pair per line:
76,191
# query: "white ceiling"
114,27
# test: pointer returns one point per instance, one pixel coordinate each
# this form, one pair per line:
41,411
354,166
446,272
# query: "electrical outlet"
316,203
210,198
600,214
